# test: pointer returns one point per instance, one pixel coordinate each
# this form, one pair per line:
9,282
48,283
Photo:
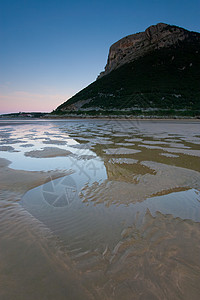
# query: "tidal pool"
99,209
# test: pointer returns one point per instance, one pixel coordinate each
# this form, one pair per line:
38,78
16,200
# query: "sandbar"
8,148
47,152
119,151
20,181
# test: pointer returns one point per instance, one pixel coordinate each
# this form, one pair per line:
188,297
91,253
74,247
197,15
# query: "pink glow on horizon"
27,102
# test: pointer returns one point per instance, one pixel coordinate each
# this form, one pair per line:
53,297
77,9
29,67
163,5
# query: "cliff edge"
151,70
153,38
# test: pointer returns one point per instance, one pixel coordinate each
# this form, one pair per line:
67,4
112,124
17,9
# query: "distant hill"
158,69
23,115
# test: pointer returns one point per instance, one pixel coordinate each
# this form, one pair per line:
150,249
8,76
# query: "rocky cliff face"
152,70
136,45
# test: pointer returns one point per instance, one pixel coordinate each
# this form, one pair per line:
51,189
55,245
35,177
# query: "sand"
7,148
121,160
47,152
174,150
120,151
133,140
46,271
129,188
26,145
20,181
55,142
86,157
169,155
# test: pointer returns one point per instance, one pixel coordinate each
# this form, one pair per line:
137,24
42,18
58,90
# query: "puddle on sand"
84,223
127,218
150,246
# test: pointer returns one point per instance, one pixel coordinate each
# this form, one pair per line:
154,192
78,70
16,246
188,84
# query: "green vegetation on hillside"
168,78
132,113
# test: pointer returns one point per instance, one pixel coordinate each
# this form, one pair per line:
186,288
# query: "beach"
99,209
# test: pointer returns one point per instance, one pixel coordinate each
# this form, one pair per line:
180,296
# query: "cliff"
155,69
155,37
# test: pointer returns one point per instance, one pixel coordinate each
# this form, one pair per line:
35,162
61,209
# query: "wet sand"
48,152
127,215
49,274
125,187
20,181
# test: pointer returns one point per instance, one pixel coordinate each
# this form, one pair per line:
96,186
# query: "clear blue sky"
51,49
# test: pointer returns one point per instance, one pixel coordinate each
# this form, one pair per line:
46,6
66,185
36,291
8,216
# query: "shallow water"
123,224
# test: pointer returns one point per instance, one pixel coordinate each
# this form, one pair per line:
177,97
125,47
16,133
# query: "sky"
51,49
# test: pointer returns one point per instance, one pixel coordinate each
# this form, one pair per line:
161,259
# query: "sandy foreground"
45,271
115,242
20,181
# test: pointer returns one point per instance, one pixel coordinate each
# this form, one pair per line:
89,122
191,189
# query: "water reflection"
127,215
83,161
58,205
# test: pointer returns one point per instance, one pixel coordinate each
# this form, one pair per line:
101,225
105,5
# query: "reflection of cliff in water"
141,180
126,170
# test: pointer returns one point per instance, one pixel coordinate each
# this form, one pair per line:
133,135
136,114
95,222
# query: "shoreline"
122,118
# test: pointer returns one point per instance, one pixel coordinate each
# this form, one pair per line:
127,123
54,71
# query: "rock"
136,45
146,72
